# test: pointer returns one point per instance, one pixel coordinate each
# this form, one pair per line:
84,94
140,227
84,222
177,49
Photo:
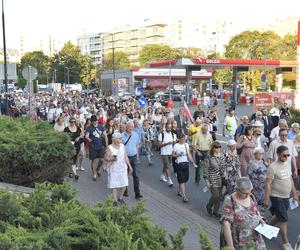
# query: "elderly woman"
257,174
117,168
239,218
214,165
246,144
232,167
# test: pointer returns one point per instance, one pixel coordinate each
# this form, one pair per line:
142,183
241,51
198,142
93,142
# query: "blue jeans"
136,181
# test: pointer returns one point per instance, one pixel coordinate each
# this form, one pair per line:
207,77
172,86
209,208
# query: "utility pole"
5,59
113,62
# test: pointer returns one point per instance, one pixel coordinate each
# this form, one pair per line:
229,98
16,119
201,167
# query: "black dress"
73,136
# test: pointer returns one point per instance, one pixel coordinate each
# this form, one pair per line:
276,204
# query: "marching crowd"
258,170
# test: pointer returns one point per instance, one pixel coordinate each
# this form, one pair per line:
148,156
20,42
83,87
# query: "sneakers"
170,182
82,168
94,177
163,178
287,246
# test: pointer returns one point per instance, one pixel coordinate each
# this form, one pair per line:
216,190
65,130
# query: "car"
176,96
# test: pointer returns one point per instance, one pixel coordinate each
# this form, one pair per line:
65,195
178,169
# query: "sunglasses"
72,121
217,147
286,155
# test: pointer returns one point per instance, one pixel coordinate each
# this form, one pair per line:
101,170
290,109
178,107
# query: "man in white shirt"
275,131
283,141
166,140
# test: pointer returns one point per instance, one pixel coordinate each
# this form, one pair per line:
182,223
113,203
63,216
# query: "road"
163,202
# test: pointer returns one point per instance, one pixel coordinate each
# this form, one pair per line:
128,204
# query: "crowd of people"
257,170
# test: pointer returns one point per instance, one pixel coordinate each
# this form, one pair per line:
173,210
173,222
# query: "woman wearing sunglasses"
214,166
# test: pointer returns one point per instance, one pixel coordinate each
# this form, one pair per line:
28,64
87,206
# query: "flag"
187,112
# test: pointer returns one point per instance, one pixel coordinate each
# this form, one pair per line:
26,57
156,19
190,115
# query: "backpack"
163,136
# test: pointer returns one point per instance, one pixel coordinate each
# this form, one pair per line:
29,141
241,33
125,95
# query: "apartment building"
131,40
92,45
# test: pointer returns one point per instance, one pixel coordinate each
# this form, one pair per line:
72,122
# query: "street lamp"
5,58
113,59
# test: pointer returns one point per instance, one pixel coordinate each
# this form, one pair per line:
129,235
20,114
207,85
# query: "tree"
156,52
188,52
288,47
121,61
38,60
254,45
69,62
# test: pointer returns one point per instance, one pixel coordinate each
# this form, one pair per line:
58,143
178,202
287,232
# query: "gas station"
199,63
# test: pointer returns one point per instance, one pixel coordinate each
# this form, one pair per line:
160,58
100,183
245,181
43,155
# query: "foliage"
261,46
72,225
188,52
204,241
32,152
294,117
156,52
70,62
121,61
38,60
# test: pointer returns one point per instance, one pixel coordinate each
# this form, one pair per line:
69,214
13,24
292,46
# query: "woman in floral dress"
239,219
257,174
232,167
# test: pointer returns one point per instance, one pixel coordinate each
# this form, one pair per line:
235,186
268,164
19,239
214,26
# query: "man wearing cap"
97,136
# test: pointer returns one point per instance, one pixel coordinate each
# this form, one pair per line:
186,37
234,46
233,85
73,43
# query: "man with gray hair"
293,131
201,145
275,131
131,141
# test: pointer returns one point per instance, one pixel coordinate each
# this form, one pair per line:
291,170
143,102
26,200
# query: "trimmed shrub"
32,152
67,224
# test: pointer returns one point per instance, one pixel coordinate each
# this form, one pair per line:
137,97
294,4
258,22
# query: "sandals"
185,199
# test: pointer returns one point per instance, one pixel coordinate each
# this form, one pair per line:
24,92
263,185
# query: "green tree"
254,45
70,62
156,52
38,60
121,61
288,47
188,52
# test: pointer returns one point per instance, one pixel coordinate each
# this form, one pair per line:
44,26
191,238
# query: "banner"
268,100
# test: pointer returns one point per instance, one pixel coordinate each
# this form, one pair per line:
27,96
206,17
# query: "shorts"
96,153
182,171
167,160
279,208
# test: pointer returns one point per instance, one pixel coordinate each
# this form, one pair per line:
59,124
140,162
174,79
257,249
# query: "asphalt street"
91,192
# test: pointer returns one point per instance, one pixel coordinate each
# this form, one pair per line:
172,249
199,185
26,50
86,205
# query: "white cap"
259,150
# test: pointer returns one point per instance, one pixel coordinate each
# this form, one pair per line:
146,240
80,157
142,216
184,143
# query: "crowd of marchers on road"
252,181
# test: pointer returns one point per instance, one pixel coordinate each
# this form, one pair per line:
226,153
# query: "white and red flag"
187,112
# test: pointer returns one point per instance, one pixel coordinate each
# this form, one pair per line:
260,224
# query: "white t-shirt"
275,133
181,148
168,137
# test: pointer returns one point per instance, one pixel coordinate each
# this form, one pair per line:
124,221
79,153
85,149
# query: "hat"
94,118
259,150
231,142
257,124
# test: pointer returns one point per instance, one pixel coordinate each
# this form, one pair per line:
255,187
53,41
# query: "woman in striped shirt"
214,166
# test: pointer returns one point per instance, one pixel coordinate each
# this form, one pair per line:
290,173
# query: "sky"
64,20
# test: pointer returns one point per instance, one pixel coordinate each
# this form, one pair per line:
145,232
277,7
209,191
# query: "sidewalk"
161,209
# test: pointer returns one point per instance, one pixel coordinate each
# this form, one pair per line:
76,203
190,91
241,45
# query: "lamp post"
5,59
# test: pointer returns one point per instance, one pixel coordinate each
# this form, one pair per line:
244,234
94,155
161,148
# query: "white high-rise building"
92,45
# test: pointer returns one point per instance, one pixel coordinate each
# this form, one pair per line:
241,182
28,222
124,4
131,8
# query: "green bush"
295,116
32,152
45,221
